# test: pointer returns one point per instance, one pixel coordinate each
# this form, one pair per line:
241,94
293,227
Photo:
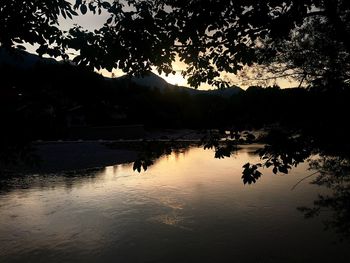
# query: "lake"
187,207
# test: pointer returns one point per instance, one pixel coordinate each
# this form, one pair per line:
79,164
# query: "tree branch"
303,180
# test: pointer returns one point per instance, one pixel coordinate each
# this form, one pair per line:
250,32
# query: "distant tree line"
44,101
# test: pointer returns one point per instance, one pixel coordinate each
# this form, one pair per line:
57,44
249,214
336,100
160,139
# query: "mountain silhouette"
152,80
24,60
149,79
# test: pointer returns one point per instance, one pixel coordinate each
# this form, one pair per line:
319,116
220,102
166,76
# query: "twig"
302,80
303,180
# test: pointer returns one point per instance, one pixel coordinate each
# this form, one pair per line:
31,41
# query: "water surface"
187,207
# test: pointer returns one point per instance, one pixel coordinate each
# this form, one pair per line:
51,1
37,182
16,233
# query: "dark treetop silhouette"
209,36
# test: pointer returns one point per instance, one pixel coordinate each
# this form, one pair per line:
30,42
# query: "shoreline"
78,155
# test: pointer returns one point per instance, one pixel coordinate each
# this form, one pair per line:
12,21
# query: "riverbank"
75,155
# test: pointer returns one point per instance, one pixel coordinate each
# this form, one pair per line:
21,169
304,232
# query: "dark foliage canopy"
209,36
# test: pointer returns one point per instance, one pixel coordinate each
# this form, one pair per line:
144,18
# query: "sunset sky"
91,22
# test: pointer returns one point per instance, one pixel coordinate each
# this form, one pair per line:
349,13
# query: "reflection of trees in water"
333,173
223,142
68,180
181,151
151,151
282,152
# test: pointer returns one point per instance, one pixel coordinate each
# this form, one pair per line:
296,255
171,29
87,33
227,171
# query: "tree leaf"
275,170
109,20
83,9
106,5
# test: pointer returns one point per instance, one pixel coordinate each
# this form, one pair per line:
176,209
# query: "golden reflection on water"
171,181
184,199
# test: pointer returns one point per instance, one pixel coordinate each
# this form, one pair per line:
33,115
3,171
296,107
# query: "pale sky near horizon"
91,22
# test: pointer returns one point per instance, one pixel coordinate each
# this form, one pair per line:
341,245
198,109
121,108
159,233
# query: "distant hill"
21,59
24,60
148,80
152,80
